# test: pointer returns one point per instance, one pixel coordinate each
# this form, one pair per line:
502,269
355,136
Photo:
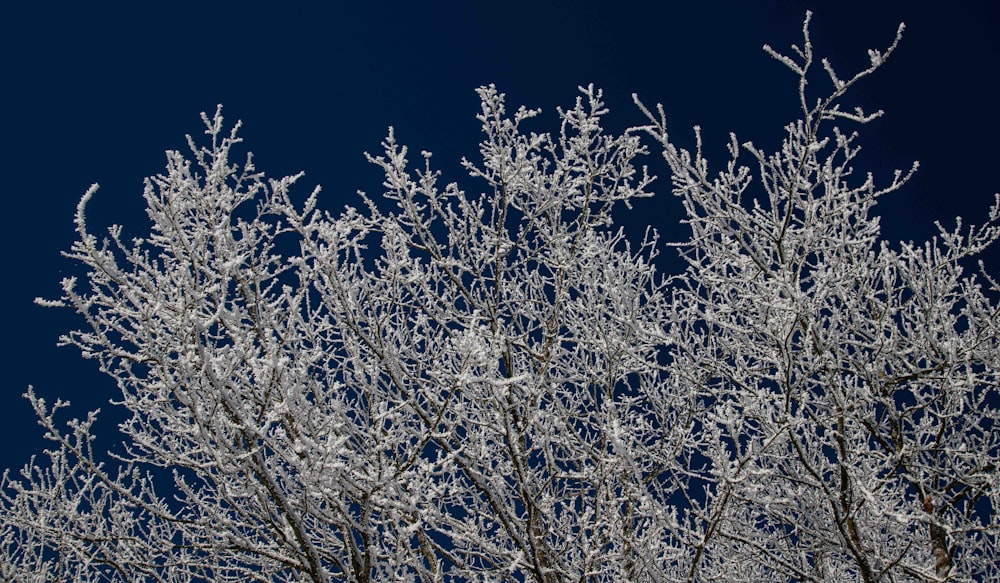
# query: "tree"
500,386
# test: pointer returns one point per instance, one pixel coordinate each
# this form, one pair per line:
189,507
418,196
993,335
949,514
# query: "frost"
490,382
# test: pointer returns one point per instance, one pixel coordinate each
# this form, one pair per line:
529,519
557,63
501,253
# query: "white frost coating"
49,303
498,386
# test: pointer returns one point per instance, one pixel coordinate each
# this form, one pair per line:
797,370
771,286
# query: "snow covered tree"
497,384
849,388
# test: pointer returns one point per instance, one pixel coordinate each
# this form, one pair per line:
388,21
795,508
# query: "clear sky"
96,91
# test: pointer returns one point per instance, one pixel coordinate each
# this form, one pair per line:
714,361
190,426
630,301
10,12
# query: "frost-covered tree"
497,385
849,389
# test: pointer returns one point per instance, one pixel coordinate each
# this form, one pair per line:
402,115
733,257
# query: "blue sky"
95,92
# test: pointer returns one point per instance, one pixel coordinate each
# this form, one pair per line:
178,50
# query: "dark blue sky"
95,92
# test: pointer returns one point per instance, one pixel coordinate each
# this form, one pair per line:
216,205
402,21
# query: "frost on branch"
496,384
850,388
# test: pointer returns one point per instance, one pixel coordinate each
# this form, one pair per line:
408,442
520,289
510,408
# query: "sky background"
95,92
